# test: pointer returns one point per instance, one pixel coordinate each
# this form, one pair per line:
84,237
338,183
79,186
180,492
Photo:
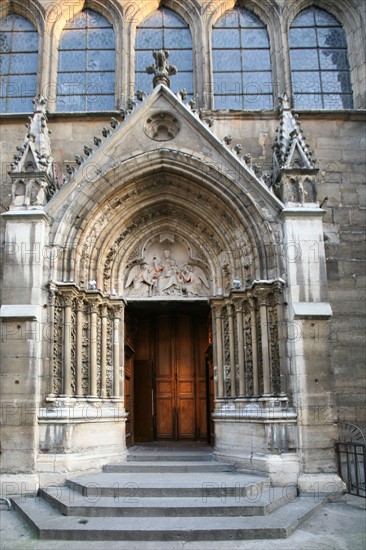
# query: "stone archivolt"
151,207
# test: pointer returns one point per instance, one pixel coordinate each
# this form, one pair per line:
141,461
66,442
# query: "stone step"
193,484
70,503
168,466
174,456
49,524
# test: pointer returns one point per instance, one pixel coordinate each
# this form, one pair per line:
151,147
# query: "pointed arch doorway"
168,374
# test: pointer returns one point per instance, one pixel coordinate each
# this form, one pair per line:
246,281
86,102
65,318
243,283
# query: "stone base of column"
320,485
258,435
79,437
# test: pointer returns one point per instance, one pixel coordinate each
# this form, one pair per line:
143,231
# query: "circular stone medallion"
162,126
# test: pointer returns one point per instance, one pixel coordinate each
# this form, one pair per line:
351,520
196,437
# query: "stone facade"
171,200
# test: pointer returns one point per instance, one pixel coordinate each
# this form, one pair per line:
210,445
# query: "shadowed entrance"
172,393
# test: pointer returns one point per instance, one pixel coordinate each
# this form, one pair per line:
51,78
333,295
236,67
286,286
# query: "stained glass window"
319,63
86,64
18,64
241,62
164,30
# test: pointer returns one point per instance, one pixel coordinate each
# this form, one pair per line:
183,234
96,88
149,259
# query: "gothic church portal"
166,287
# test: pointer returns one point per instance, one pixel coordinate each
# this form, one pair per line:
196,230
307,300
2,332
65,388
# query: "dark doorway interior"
173,382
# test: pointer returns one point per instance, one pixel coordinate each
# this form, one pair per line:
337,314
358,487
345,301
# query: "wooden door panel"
165,338
164,418
164,382
185,388
186,418
143,401
185,369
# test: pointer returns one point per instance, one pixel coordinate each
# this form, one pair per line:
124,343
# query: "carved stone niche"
166,268
162,126
300,189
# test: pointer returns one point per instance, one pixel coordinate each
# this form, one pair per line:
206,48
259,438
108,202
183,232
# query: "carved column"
122,354
219,352
79,346
117,311
52,300
276,365
254,346
93,349
103,362
241,343
230,311
67,385
214,347
262,296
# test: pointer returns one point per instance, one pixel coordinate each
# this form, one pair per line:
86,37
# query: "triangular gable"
163,123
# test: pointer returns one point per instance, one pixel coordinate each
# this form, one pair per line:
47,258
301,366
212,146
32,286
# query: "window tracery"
241,62
86,65
319,62
18,64
164,30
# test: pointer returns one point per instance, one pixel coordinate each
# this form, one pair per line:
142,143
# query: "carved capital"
68,300
52,297
239,305
94,307
117,312
263,296
104,311
79,304
230,310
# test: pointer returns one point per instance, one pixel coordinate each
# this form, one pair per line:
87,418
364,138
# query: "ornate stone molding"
33,176
247,325
83,342
293,166
161,69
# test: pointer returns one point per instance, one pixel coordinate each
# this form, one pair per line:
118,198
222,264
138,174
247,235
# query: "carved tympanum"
165,277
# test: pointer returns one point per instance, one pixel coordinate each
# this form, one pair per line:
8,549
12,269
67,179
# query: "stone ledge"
20,311
310,310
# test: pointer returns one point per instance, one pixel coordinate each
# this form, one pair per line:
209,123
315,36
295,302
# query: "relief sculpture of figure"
169,280
194,281
165,278
138,282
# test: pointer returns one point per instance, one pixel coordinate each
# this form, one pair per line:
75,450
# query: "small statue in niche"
18,193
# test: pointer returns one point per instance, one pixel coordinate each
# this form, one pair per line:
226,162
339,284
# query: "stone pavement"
340,525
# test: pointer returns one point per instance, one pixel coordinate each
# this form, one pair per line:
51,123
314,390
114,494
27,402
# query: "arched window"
18,64
164,30
319,64
86,64
241,62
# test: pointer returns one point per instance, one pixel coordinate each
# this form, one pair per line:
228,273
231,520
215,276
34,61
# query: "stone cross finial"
161,69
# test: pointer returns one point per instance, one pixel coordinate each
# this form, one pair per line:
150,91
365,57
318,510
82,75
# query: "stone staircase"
164,495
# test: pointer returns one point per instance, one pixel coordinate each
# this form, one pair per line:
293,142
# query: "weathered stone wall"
338,140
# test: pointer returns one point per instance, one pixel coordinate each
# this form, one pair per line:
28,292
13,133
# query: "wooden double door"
171,380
